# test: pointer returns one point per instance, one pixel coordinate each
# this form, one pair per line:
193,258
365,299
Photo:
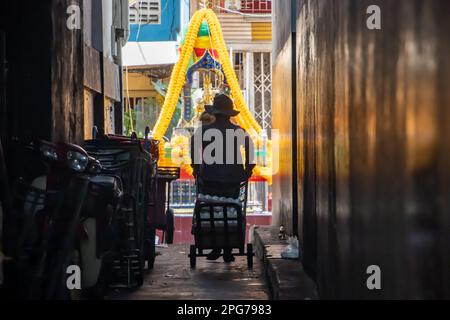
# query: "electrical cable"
128,98
139,22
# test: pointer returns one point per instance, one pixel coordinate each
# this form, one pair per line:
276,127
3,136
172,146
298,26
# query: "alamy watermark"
73,281
73,11
74,19
374,20
374,280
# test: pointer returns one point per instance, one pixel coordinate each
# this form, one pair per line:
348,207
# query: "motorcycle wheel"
57,278
100,289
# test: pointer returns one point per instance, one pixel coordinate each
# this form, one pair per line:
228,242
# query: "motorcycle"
70,218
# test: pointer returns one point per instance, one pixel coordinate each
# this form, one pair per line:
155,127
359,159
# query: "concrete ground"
173,279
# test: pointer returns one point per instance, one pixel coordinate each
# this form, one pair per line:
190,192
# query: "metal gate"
262,88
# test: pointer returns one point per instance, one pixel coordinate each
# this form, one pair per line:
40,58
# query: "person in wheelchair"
217,160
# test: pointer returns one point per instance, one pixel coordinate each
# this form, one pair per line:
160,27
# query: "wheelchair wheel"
193,256
151,252
170,226
250,255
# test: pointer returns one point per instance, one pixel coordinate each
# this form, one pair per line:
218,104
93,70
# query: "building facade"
157,20
156,29
103,42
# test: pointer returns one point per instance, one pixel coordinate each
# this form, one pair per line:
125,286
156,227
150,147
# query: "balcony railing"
261,6
243,6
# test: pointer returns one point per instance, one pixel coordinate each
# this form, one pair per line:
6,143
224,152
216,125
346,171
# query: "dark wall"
284,14
26,103
282,120
27,26
374,141
44,78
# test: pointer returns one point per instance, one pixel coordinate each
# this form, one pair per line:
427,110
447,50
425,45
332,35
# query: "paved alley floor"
173,279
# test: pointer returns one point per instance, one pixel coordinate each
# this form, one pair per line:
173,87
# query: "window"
145,12
238,64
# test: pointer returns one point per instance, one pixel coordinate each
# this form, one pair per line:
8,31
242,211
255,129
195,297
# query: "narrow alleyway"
173,279
316,130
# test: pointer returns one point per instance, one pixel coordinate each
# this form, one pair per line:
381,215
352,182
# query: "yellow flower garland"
219,42
245,119
178,77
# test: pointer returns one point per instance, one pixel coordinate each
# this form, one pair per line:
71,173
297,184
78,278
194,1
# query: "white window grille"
145,12
262,88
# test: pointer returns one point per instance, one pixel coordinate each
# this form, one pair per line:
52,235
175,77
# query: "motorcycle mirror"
33,146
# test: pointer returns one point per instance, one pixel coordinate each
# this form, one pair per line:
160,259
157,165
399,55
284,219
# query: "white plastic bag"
292,250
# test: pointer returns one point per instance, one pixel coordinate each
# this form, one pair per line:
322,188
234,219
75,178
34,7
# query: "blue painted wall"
174,18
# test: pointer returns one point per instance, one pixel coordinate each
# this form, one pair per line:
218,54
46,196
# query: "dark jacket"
224,171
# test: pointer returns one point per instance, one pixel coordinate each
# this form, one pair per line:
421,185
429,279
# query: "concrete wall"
374,141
